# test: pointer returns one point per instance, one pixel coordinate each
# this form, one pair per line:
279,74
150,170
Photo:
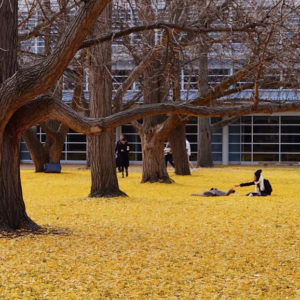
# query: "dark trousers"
169,158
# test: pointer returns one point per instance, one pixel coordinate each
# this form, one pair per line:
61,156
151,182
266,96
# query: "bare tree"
101,149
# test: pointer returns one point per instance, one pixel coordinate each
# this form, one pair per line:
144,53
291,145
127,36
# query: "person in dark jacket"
122,149
116,152
262,186
168,155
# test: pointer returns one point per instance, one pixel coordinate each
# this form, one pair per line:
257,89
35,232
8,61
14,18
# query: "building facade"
249,140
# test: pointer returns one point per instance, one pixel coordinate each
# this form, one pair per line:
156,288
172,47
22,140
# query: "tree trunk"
204,158
12,208
154,169
101,149
176,136
36,149
177,142
204,155
8,39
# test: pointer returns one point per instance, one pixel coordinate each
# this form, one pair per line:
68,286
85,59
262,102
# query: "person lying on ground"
262,186
213,192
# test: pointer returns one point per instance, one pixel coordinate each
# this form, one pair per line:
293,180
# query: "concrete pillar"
118,132
225,145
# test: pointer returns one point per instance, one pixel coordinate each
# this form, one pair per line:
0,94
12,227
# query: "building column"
118,132
225,145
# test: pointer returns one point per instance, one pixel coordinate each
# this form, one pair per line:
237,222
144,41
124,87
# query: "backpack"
268,187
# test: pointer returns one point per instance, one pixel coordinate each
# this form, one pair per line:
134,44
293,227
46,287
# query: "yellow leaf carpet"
160,242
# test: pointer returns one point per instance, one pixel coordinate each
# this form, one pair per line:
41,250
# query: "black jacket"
122,154
268,187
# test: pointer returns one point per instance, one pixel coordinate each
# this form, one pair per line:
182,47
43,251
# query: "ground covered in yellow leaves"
160,242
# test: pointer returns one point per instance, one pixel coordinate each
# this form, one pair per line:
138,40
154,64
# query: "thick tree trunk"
37,152
204,158
154,169
12,208
101,149
177,142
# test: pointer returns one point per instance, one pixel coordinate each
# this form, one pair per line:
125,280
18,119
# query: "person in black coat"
122,149
116,152
262,186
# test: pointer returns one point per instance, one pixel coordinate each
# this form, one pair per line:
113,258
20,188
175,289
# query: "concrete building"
250,140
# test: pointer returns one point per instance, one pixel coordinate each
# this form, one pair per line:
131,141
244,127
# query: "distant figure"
116,152
262,186
123,156
213,192
168,156
188,151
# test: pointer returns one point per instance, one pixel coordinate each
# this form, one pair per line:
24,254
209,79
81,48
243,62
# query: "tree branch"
46,108
163,25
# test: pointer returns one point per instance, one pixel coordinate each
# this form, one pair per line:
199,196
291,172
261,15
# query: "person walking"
188,151
116,152
262,186
122,149
168,155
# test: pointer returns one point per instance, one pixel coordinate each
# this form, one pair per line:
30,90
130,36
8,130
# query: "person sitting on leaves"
262,186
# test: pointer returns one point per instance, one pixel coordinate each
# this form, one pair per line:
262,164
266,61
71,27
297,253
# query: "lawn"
160,242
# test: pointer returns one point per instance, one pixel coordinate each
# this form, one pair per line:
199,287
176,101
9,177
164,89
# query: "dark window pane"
23,146
246,120
290,157
234,138
272,138
290,129
76,147
246,138
290,138
76,156
135,147
234,148
191,129
234,157
246,157
266,129
192,138
216,147
246,148
265,157
76,138
128,129
265,148
290,148
25,156
217,157
134,138
193,147
217,138
246,129
234,129
265,120
290,120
